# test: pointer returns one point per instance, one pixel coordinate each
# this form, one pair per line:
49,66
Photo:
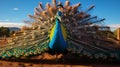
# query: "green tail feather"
91,51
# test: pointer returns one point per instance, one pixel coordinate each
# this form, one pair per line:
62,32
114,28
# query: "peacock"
63,29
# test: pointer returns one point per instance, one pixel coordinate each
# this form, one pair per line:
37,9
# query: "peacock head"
60,12
60,7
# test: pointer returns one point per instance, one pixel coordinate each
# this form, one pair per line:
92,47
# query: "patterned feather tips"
86,36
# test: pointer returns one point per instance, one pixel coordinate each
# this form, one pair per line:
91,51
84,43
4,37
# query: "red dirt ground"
2,42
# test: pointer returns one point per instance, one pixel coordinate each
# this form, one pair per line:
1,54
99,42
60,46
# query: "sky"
15,11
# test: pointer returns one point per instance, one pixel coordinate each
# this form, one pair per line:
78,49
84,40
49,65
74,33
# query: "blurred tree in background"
4,32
